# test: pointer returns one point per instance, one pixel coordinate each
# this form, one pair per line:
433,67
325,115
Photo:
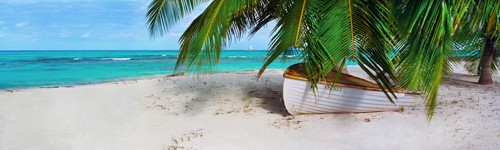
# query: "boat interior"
297,71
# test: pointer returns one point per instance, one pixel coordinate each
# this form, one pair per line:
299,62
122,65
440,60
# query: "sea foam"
117,59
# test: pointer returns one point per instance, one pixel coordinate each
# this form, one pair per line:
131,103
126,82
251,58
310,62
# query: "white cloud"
22,24
86,35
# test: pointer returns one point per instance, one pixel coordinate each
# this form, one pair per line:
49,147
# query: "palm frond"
316,59
482,20
491,17
210,32
268,10
428,27
359,31
162,14
329,33
288,31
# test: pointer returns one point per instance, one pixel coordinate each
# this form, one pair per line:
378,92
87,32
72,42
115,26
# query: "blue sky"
92,25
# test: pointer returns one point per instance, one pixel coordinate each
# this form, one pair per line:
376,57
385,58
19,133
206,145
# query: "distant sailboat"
250,48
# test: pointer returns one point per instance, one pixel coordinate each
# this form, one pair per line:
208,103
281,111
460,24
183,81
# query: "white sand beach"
233,111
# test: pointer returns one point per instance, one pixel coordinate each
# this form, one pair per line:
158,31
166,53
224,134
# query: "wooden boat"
349,95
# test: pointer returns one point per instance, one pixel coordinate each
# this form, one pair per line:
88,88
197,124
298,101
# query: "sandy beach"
233,111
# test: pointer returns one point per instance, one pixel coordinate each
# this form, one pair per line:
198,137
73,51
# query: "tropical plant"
470,58
327,33
482,30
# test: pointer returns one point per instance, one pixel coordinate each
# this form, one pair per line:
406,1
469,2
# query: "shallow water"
22,69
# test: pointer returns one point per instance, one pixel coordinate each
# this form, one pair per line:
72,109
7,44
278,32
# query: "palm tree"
488,59
490,31
472,58
329,33
483,23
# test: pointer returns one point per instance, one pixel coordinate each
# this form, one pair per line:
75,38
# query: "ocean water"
24,69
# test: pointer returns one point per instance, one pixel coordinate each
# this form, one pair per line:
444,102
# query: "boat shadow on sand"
225,95
270,95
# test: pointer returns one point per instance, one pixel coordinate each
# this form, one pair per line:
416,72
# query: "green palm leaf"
209,33
482,21
288,31
423,60
162,14
417,36
359,31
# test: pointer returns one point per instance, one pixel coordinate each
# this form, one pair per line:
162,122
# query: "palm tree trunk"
486,75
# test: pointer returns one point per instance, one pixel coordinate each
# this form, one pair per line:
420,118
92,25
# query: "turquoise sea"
24,69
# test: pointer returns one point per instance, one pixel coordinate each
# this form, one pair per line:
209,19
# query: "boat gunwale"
297,76
384,96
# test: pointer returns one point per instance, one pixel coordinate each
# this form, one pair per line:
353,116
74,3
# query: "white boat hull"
299,98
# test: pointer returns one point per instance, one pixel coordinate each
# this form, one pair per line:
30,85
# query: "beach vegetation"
396,42
482,30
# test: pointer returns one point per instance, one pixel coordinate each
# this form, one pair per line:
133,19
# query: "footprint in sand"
185,139
288,122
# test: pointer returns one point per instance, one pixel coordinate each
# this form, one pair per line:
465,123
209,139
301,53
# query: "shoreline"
233,111
128,79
